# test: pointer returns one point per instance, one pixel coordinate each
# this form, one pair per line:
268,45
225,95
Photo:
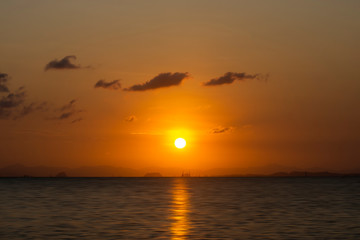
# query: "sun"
180,143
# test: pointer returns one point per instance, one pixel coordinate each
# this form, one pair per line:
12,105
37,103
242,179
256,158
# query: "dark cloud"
68,106
4,78
4,113
14,104
131,118
76,120
230,77
31,108
220,130
10,102
68,110
66,115
65,63
160,81
26,110
13,100
44,107
114,85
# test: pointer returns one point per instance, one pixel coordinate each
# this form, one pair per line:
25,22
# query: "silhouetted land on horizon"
18,170
297,174
153,174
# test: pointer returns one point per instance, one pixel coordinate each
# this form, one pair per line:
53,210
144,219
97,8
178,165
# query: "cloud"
13,99
10,102
3,82
131,118
68,106
10,105
68,110
27,110
32,107
76,120
4,113
230,77
220,130
114,85
65,63
14,104
66,115
160,81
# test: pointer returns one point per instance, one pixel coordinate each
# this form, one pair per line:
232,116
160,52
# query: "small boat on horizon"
185,174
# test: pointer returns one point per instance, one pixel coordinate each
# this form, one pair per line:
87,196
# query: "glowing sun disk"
180,143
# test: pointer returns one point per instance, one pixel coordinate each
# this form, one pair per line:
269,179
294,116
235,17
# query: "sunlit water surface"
180,208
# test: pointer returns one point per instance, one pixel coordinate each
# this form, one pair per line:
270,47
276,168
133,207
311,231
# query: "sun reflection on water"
179,210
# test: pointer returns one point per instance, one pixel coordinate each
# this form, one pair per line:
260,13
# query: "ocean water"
180,208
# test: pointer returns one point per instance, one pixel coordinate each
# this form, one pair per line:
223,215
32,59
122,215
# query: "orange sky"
295,104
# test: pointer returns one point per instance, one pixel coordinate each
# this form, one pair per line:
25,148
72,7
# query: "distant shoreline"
356,175
18,170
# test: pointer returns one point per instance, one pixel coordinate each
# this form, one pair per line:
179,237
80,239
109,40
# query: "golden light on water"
179,210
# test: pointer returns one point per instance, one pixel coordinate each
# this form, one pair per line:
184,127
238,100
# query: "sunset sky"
245,83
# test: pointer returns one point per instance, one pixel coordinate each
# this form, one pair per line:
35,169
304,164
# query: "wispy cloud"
13,99
31,108
230,77
76,120
65,63
10,102
68,110
3,82
13,104
4,113
113,85
160,81
68,106
66,115
220,130
131,118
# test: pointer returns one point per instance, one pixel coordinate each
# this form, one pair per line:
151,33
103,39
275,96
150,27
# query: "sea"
180,208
